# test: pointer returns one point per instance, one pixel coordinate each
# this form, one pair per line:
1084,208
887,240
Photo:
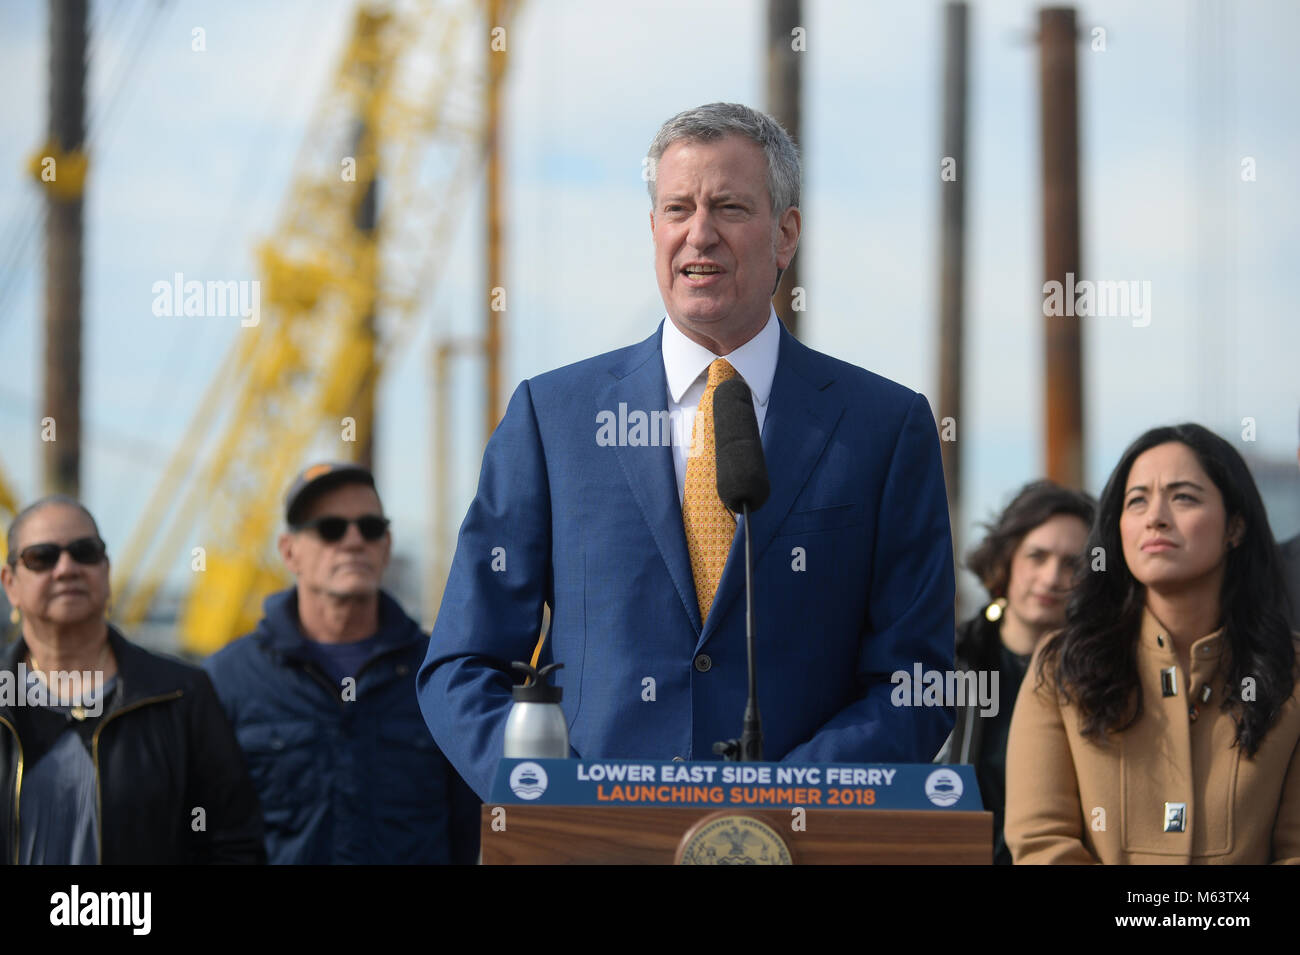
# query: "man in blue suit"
596,499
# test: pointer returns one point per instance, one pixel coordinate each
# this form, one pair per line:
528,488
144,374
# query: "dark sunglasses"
41,557
331,529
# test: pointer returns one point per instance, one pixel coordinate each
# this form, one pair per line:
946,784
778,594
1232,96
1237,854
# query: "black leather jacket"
162,750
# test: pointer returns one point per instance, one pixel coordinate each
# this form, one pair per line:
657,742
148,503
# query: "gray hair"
716,120
15,526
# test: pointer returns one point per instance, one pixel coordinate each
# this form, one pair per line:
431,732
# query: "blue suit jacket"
853,575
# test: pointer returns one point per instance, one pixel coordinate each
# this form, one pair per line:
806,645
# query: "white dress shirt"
686,366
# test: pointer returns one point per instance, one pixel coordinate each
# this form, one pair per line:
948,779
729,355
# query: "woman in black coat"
109,754
1027,563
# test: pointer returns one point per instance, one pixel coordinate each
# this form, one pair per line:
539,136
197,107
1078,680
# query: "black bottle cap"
536,689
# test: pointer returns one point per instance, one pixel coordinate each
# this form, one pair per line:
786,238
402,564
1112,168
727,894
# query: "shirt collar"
754,361
1155,638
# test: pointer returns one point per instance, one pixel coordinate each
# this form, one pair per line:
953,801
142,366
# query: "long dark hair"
1093,660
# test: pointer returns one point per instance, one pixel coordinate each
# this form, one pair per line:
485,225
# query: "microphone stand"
751,737
749,748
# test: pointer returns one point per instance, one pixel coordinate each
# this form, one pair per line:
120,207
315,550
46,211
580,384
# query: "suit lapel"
640,384
801,415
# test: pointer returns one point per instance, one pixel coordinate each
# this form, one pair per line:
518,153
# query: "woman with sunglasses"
1162,723
109,754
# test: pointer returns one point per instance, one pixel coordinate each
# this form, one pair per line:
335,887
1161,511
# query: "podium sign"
718,785
646,812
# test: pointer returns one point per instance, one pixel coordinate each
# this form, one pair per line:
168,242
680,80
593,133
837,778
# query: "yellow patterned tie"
709,525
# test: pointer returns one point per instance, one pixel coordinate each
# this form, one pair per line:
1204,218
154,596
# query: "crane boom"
338,303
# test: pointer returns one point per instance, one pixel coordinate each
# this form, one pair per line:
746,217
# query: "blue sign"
624,782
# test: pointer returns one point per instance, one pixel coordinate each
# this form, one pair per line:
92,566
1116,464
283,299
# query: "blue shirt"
341,660
58,817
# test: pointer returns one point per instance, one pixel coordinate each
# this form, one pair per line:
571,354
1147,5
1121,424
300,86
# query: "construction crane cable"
104,28
13,266
123,89
98,433
14,261
237,214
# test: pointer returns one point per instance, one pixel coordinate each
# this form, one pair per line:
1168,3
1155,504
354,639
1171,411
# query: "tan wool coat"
1171,789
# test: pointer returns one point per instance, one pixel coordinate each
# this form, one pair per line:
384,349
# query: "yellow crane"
338,301
8,508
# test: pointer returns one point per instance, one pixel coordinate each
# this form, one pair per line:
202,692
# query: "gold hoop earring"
993,612
15,617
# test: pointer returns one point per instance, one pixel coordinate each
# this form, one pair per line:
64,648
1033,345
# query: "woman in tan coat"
1162,724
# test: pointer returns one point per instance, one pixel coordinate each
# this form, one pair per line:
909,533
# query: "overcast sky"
191,163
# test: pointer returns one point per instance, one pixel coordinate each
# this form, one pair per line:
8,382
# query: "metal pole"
496,67
63,253
366,219
440,419
784,86
1063,365
952,185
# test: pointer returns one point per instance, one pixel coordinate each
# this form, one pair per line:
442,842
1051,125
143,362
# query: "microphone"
742,486
742,470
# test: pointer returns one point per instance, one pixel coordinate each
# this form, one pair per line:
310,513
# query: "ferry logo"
943,787
528,781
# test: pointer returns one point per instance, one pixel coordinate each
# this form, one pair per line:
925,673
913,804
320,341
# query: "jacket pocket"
409,769
827,518
282,759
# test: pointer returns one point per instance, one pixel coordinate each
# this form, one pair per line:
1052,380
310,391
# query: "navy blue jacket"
343,781
852,559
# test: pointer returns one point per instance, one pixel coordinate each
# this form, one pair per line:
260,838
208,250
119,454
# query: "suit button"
403,669
704,663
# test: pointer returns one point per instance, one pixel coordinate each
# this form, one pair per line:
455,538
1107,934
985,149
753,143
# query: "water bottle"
536,727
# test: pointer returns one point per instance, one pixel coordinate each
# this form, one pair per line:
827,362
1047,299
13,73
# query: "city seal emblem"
725,838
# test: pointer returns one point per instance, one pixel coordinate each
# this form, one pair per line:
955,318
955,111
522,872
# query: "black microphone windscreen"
742,470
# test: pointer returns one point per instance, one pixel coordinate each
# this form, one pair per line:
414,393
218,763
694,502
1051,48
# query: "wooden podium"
634,835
